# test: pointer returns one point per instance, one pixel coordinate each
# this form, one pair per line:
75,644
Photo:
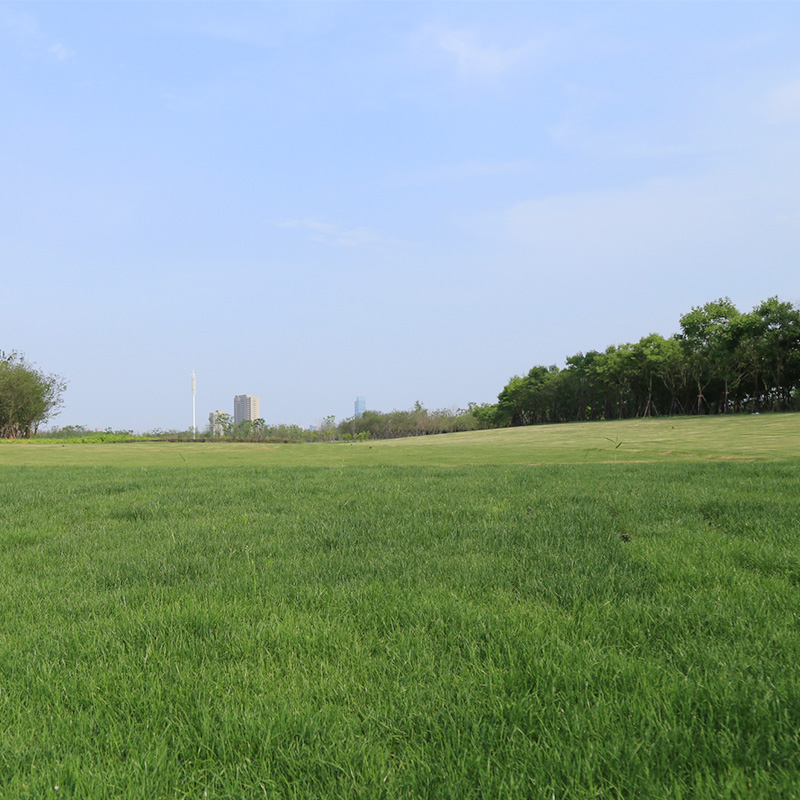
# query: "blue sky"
400,200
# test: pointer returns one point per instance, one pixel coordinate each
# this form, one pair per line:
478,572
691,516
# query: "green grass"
768,437
572,630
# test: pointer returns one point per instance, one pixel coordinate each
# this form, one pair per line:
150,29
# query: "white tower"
194,404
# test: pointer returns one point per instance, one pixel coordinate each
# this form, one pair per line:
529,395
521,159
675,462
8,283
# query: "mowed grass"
661,440
575,630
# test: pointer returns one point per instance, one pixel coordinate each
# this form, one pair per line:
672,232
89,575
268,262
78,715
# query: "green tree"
484,414
28,396
773,328
220,423
582,384
672,370
619,370
659,363
709,334
529,399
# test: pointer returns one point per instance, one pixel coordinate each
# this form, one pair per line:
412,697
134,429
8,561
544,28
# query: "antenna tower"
194,404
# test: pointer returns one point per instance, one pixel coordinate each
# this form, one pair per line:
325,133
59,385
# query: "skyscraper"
361,407
245,407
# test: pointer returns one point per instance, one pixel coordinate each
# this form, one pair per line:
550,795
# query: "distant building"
215,422
361,407
245,407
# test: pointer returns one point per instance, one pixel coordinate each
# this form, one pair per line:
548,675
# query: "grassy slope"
572,630
768,437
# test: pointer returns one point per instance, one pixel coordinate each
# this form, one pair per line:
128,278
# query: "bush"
28,397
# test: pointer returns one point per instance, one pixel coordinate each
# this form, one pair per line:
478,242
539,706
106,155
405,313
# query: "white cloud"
746,43
331,234
61,53
591,224
472,57
742,217
465,171
258,24
20,25
234,31
24,28
783,102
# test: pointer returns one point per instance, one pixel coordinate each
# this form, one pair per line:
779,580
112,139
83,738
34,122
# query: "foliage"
80,434
418,421
66,432
722,361
28,396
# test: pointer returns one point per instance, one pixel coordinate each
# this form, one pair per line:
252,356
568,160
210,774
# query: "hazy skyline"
309,202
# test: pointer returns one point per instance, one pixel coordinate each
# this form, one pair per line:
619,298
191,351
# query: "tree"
220,423
327,428
529,399
583,385
660,364
619,370
773,329
671,369
28,397
708,334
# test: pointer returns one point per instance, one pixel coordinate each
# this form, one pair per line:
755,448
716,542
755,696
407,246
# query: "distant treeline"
722,361
419,421
248,431
373,425
258,430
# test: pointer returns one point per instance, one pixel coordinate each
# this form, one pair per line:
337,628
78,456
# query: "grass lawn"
499,614
769,437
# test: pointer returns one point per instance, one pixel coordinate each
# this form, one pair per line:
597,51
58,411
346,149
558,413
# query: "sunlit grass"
768,437
505,631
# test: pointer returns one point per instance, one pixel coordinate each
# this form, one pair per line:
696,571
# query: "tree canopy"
28,396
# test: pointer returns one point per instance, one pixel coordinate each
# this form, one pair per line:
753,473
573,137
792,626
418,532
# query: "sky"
405,201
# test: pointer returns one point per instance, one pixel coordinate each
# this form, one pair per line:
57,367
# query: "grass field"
675,439
499,614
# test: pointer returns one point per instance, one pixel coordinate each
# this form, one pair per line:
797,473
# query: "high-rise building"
215,422
361,407
245,407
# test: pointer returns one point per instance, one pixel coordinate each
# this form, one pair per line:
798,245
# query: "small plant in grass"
617,444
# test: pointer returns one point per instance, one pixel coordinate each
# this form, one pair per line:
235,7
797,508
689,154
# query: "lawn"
769,437
434,620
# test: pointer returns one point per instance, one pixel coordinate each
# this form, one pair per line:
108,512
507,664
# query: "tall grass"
573,631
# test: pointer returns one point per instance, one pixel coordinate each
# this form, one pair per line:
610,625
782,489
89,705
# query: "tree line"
417,421
722,361
258,430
